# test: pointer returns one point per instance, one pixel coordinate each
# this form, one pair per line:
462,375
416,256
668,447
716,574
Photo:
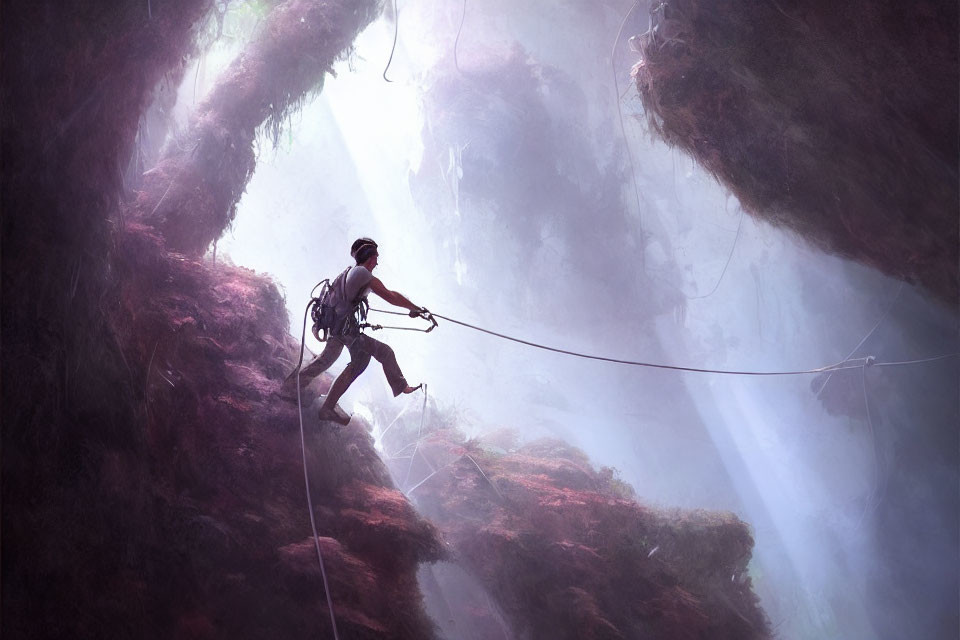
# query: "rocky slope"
567,552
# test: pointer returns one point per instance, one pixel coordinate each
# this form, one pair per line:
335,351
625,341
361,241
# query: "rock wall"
838,122
567,551
151,478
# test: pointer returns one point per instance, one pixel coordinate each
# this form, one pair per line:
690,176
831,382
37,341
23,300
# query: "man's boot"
336,414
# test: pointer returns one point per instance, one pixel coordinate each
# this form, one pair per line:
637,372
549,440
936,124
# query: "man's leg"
359,359
384,354
331,351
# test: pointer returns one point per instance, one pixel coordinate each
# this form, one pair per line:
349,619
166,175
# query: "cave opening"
500,191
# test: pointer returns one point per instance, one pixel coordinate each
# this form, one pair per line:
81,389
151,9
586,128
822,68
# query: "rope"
868,334
846,364
423,412
463,16
849,363
377,327
633,172
876,454
497,491
623,131
798,20
306,478
727,264
392,313
452,462
389,426
419,484
396,30
921,361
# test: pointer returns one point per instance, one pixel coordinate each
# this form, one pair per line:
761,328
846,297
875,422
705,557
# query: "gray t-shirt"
357,286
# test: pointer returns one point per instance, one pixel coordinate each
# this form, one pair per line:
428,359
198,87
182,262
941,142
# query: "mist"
504,193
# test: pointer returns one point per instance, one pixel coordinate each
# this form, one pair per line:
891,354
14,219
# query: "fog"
501,195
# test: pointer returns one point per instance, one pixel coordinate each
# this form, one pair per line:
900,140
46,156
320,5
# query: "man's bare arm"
393,297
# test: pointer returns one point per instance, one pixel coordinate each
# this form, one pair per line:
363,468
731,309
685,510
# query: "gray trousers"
362,348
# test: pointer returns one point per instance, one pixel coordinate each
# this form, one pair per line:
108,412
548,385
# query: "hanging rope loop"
306,474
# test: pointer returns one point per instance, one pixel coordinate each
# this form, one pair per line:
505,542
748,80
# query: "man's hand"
417,312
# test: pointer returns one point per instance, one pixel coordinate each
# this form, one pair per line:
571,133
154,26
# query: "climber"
359,281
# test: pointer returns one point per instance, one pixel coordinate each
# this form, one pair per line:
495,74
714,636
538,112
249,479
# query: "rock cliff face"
567,552
152,482
151,479
225,475
837,122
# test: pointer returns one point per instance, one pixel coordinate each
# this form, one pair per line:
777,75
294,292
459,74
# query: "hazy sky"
572,276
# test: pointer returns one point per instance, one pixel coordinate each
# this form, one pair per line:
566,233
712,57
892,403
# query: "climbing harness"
323,308
319,311
306,475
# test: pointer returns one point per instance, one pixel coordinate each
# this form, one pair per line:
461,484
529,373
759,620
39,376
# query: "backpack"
324,311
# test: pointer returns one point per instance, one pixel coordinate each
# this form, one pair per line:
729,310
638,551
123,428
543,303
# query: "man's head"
363,249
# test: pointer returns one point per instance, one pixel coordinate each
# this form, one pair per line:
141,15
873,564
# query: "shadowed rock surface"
838,122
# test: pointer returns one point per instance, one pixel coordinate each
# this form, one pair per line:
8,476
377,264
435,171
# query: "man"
359,282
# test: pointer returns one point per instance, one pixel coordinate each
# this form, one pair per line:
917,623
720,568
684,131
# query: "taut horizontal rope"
850,363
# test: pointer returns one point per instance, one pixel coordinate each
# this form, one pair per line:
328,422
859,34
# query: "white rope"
869,333
849,363
306,480
623,130
876,454
456,43
423,412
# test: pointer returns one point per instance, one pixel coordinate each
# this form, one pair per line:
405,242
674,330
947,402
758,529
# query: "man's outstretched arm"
393,297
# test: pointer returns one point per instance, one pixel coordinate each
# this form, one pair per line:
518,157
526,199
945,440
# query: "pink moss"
567,556
225,453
